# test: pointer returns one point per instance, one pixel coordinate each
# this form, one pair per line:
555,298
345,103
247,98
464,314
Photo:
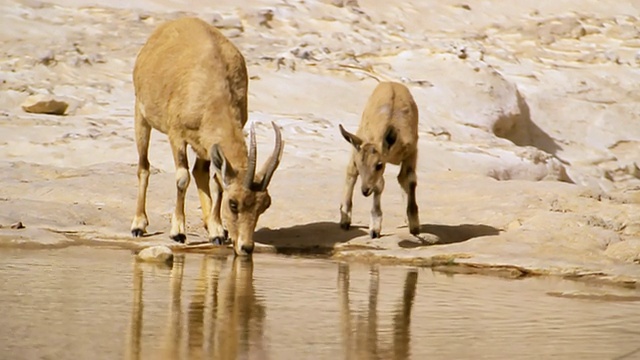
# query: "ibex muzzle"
245,196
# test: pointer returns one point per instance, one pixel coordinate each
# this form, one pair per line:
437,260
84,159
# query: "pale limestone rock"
45,104
627,251
227,22
529,163
160,254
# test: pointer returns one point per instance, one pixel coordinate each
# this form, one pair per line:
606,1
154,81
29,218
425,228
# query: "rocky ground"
529,128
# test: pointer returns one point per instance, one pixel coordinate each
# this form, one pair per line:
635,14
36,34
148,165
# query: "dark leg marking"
137,232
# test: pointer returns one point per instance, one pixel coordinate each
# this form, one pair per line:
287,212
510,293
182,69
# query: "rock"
529,163
265,16
143,16
498,108
158,254
45,104
229,22
567,28
48,58
627,251
18,225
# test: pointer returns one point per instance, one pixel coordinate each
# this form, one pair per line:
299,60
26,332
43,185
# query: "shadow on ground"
450,234
318,237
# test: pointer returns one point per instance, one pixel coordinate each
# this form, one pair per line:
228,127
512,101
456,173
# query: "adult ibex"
191,84
388,133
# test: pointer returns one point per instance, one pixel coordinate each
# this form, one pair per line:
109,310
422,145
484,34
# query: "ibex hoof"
345,226
218,240
415,231
374,234
181,238
137,232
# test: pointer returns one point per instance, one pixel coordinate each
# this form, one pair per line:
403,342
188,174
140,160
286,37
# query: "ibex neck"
233,146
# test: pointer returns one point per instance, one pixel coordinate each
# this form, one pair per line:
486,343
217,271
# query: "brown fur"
191,84
388,133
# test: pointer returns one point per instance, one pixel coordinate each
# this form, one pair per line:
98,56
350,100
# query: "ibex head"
245,196
370,158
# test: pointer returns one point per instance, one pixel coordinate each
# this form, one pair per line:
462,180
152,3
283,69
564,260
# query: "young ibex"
388,133
191,84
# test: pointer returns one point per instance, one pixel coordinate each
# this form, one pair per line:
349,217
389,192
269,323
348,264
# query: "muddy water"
82,303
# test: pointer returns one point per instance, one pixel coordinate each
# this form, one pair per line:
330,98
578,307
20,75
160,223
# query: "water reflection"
135,329
223,318
360,331
207,307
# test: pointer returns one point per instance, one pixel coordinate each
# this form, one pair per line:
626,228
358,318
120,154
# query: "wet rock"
45,104
157,254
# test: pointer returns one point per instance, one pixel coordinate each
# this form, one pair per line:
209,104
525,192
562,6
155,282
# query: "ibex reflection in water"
223,317
360,333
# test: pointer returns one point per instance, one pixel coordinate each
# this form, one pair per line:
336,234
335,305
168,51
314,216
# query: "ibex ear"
221,165
354,140
390,137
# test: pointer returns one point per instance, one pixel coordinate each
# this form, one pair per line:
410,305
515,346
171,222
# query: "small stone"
44,104
230,22
144,16
18,225
158,254
48,58
266,16
462,53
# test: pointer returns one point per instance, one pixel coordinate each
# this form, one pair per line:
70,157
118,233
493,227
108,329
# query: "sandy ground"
529,127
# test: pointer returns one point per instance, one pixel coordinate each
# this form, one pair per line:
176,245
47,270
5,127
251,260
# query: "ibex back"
388,133
191,84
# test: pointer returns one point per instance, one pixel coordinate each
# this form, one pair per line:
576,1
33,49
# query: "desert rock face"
529,127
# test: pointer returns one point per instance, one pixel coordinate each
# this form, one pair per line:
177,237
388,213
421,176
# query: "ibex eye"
233,205
379,166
